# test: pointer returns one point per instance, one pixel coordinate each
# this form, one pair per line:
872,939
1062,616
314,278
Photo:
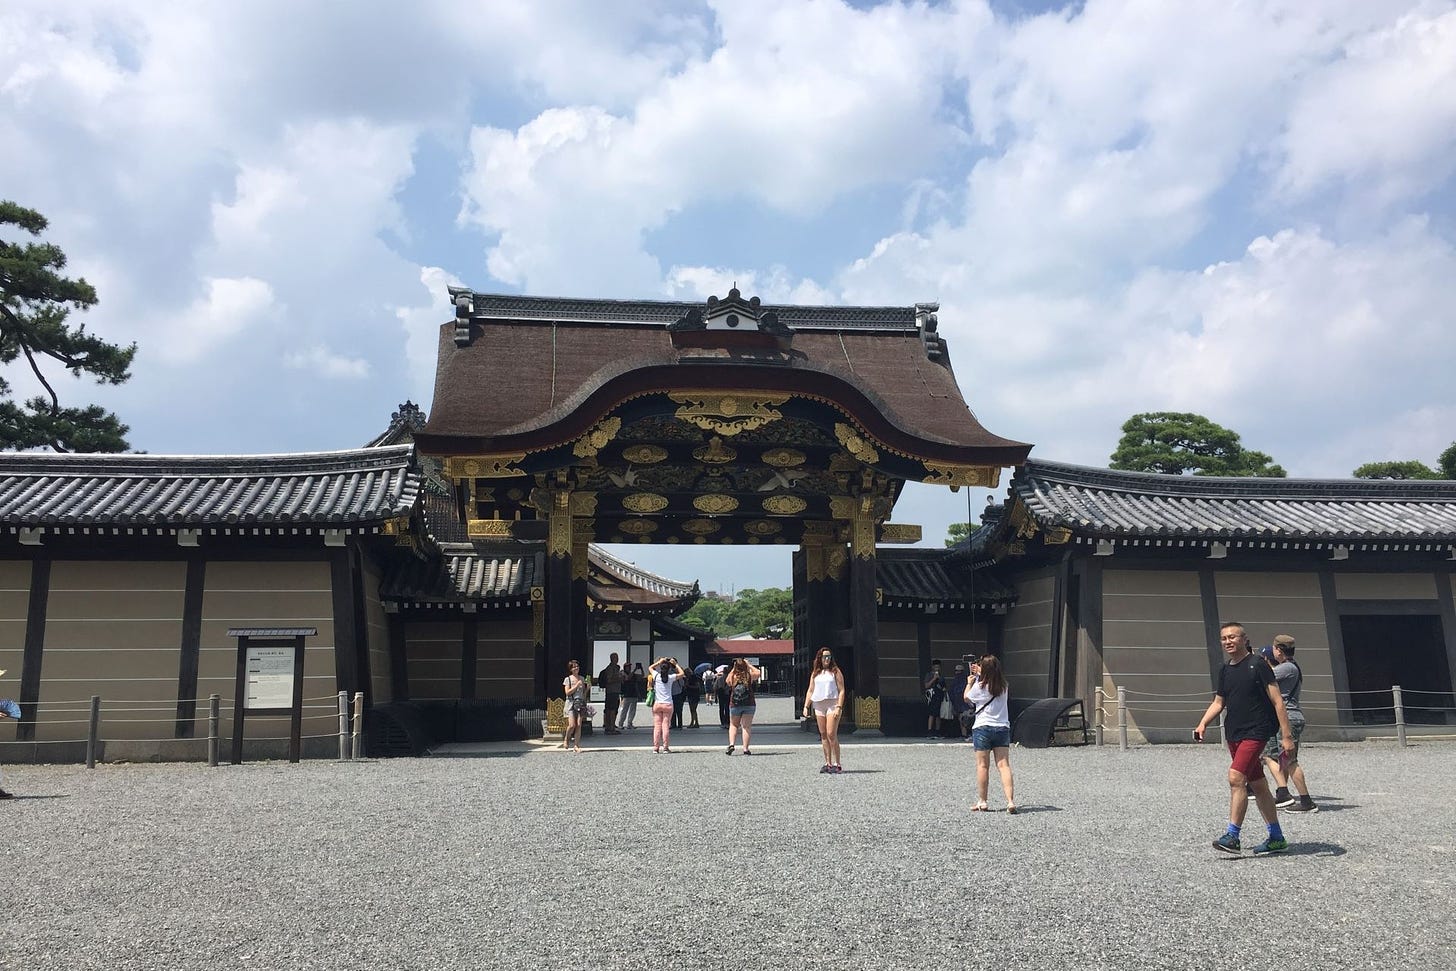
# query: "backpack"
741,696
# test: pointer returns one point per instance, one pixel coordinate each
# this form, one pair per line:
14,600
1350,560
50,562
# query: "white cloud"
421,324
776,285
229,307
321,361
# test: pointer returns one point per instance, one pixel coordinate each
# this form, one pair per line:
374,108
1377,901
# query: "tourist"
665,674
987,692
576,689
825,698
1288,769
741,702
720,691
1248,695
693,692
934,695
632,692
678,698
611,681
958,704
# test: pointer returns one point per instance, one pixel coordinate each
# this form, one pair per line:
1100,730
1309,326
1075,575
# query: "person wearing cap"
1253,708
1287,769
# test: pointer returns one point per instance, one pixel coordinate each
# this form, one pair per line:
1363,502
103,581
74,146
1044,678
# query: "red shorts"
1246,758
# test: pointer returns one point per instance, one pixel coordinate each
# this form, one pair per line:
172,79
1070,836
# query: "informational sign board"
269,677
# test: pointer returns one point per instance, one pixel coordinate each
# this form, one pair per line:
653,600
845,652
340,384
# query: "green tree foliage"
764,613
957,533
35,300
1175,443
1396,470
1447,462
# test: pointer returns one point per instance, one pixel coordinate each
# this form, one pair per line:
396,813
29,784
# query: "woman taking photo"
742,702
825,698
665,672
576,689
987,694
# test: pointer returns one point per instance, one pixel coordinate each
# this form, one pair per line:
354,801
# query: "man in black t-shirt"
1253,709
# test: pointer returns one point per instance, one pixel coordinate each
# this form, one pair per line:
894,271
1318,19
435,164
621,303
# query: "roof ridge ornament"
733,313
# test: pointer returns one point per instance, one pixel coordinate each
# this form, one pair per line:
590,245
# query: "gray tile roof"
1105,503
664,312
315,489
465,575
934,576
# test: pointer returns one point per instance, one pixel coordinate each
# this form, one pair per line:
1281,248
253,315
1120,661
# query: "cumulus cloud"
227,308
321,361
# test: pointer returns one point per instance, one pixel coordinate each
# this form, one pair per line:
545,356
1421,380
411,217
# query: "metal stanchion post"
212,737
1122,716
94,732
1399,715
357,748
1100,715
343,726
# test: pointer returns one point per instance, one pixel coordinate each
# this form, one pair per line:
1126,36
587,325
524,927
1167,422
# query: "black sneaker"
730,751
1283,799
1305,805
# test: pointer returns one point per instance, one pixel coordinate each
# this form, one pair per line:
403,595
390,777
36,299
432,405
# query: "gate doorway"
1382,650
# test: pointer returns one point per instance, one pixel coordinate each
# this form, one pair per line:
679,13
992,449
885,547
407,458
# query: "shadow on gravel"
859,772
56,796
1023,810
1295,849
1328,804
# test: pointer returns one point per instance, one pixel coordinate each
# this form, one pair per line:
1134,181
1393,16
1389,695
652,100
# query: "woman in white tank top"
825,698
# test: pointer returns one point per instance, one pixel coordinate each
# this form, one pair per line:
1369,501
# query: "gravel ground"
521,856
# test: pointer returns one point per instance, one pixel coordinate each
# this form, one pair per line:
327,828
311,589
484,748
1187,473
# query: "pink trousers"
661,724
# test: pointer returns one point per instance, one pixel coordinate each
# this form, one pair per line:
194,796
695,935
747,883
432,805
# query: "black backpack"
742,693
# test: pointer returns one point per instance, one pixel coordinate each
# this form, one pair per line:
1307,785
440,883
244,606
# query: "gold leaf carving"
855,444
637,527
644,454
947,474
867,712
900,533
843,462
583,503
727,413
715,452
715,504
784,458
595,440
785,505
761,527
700,527
1056,535
501,466
644,502
486,528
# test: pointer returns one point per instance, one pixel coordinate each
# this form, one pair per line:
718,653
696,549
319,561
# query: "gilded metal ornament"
644,454
900,533
595,440
715,452
862,537
785,505
583,503
644,502
488,528
1056,535
501,466
949,474
555,715
637,527
867,712
701,527
558,525
784,458
762,527
855,444
715,504
727,413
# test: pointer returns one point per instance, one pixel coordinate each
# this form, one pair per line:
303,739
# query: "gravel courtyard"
520,856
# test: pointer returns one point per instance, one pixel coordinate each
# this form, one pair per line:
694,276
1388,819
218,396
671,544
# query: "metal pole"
212,738
343,726
1399,715
1122,716
94,732
1100,715
357,749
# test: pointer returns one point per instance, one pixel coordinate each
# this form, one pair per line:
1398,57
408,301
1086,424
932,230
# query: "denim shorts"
987,737
745,710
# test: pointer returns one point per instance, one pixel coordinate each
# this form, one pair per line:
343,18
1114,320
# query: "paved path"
527,857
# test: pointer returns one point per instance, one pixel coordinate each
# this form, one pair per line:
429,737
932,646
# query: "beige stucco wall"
376,631
899,652
1288,603
505,657
113,629
433,652
1384,586
1155,646
14,608
268,594
1027,636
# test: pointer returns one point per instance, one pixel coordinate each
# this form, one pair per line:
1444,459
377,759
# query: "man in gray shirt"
1287,769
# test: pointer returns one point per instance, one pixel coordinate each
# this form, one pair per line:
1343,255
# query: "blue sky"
1244,210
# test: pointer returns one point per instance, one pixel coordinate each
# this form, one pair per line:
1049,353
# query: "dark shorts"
1273,748
740,710
1245,756
989,737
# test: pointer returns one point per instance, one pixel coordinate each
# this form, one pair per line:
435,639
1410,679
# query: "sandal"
1011,810
980,807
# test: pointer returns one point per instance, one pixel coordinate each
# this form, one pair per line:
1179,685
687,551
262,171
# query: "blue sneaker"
1228,843
1271,845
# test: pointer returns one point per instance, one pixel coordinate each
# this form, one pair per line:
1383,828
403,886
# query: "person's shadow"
53,796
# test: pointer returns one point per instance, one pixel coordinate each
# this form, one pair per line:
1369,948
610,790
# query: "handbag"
651,697
947,711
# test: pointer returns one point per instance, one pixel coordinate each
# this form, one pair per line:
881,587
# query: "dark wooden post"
560,606
864,621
